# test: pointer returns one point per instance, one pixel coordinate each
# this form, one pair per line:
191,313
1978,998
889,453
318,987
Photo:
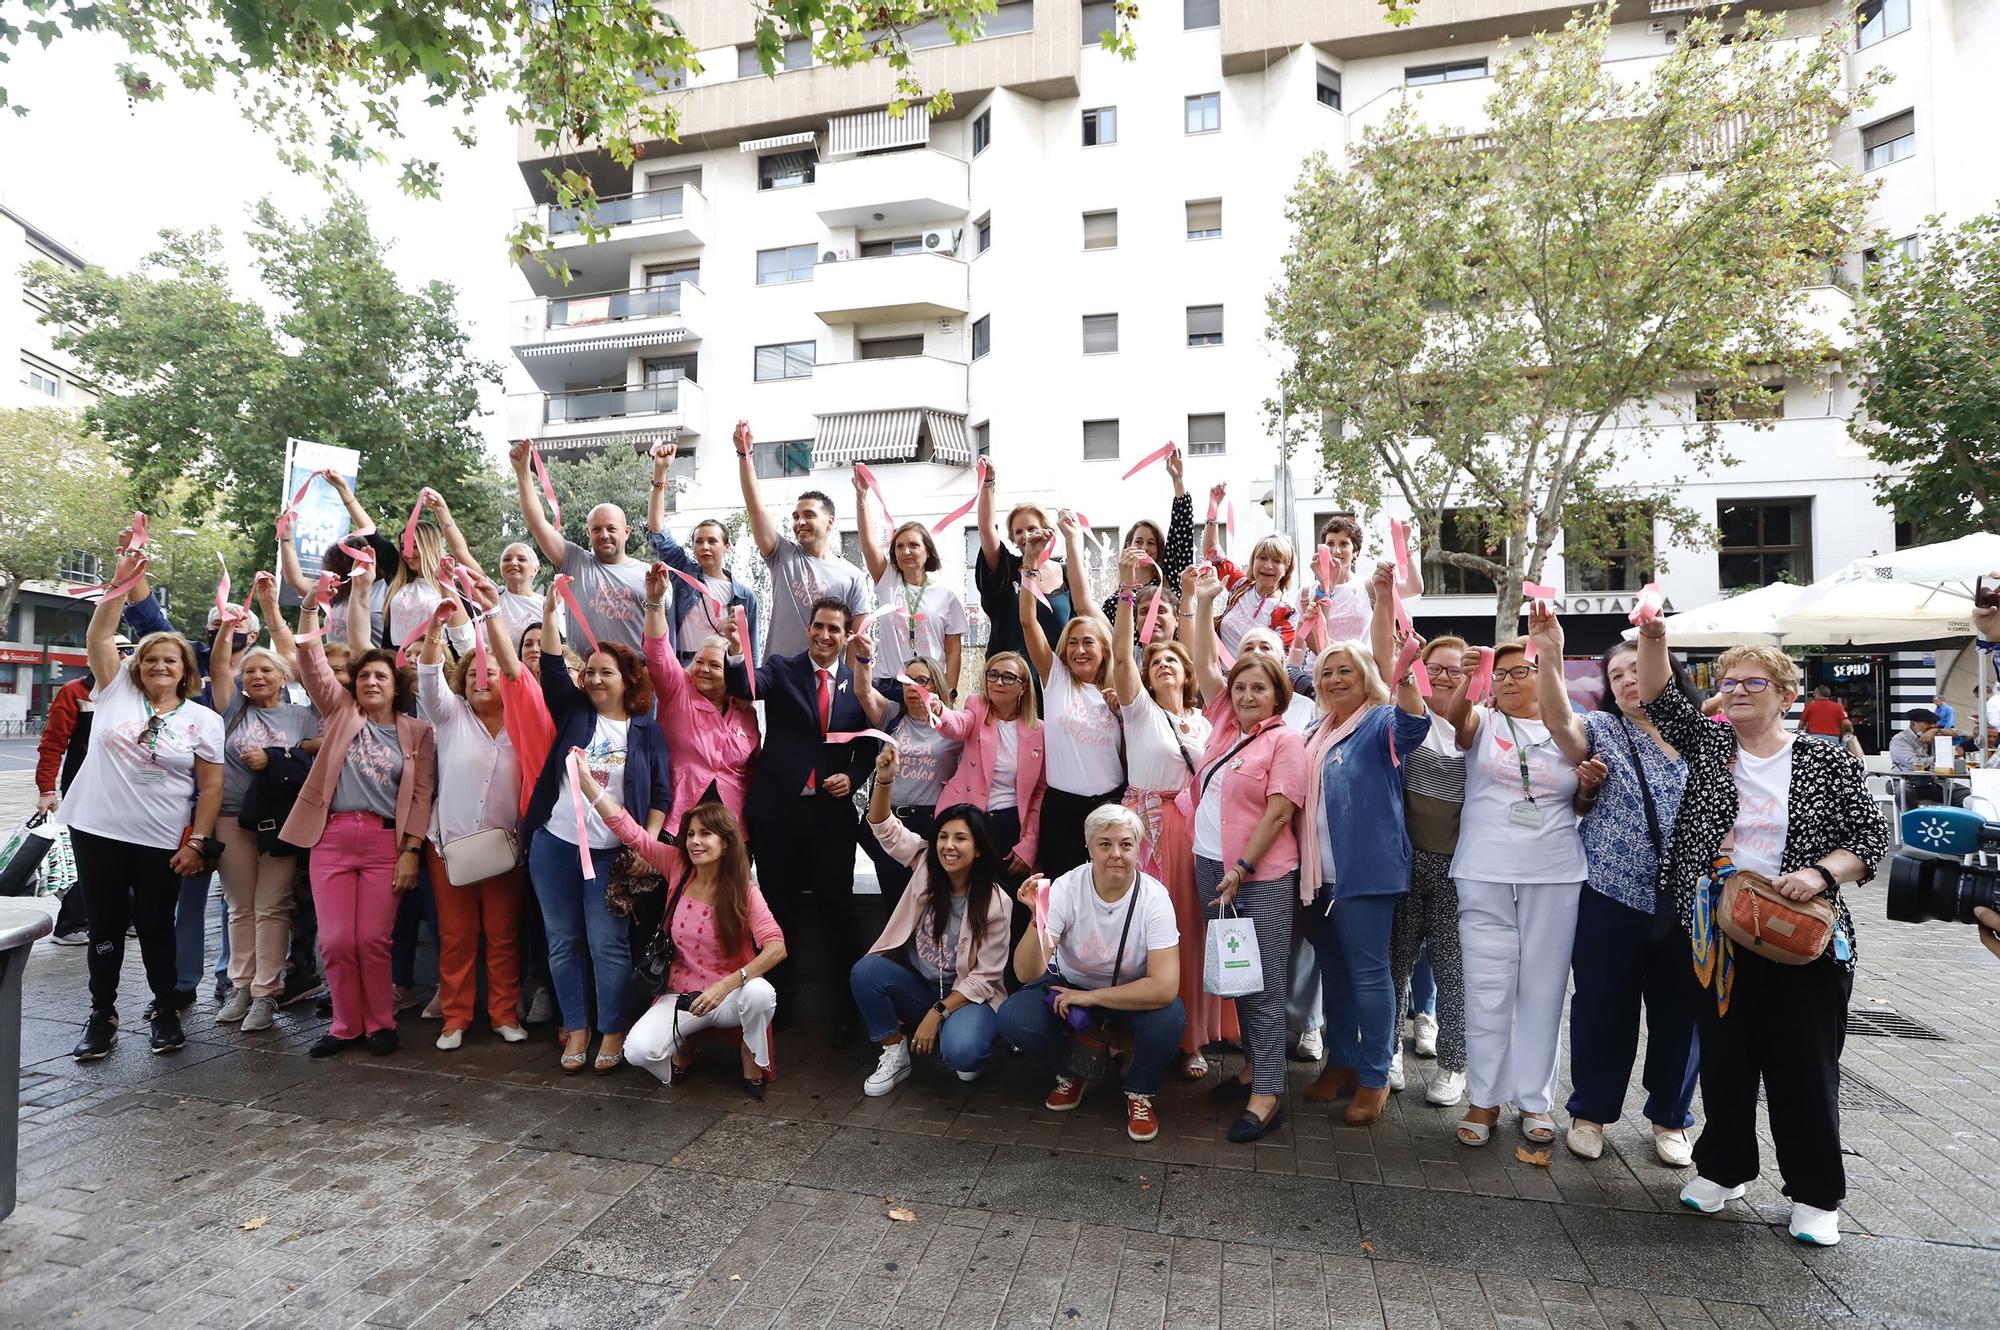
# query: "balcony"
913,187
1828,311
891,288
907,409
649,222
584,420
566,339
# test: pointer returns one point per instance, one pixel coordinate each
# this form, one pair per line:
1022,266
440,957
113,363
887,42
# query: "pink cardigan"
341,721
972,783
981,978
706,743
1274,762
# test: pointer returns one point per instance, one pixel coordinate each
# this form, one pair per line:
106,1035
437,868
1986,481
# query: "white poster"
321,516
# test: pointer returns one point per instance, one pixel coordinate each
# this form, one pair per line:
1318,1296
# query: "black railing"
647,302
619,209
636,399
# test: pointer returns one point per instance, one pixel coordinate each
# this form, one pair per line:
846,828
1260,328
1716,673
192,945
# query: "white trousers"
1516,940
659,1034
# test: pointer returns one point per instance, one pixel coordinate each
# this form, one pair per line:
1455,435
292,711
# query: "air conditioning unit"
829,257
943,242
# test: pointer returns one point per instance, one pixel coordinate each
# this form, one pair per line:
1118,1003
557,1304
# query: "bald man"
610,585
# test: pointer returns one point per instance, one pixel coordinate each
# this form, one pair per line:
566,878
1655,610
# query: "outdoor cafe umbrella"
1751,618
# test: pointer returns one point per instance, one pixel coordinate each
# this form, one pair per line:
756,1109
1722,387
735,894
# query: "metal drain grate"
1858,1094
1887,1023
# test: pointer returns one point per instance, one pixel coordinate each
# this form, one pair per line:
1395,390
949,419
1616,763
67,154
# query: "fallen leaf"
902,1214
1367,1247
252,1225
736,1279
1539,1158
677,1159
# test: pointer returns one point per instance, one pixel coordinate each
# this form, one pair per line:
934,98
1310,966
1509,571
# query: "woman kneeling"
942,960
1105,921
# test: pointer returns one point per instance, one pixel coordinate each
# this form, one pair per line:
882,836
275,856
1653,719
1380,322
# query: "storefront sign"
1623,603
18,656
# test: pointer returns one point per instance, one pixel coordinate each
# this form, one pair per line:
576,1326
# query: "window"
982,439
785,360
1201,14
794,263
1764,541
1100,127
1204,219
1328,87
44,383
789,457
1898,251
982,335
1204,113
1449,73
892,348
1460,533
1889,140
787,170
797,54
680,476
879,249
1614,565
1204,325
1100,230
81,566
982,132
1099,17
1100,334
1763,401
667,369
1206,436
1879,19
982,231
1100,440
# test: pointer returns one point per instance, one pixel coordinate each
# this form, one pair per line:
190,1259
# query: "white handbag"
483,854
1232,967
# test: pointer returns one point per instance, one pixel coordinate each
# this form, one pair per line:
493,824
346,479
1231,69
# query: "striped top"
1434,789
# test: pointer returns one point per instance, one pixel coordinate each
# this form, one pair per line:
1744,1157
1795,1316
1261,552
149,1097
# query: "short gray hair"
1102,817
284,667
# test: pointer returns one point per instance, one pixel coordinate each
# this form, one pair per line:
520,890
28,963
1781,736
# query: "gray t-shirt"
285,725
612,595
926,762
372,772
935,962
797,580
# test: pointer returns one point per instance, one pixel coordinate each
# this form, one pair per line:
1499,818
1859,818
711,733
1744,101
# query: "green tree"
1495,322
1930,380
201,386
614,475
60,490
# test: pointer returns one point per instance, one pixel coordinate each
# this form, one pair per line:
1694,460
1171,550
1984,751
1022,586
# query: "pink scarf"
1318,744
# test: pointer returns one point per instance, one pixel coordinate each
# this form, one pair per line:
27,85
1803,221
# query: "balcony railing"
632,399
641,302
619,209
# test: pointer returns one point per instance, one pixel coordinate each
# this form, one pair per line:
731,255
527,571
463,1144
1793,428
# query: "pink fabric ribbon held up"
1651,599
1537,594
322,596
577,804
562,587
548,489
867,478
1482,677
747,647
1159,454
978,483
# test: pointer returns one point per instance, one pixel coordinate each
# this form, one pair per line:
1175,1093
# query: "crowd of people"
605,797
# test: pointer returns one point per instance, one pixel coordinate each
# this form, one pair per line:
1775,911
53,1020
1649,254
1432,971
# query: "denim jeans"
586,941
892,997
1027,1023
1423,985
416,906
191,935
1353,945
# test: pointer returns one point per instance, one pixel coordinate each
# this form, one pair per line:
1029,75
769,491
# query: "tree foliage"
1930,386
60,490
203,387
1498,321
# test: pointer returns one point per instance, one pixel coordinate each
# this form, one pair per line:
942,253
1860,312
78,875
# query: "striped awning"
638,440
916,434
777,141
658,337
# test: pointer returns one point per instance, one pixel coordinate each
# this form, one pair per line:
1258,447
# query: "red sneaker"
1141,1123
1066,1095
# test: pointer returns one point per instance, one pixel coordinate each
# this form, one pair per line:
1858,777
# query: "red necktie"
825,717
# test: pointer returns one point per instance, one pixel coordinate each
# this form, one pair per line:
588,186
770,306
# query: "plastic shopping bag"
1232,966
21,857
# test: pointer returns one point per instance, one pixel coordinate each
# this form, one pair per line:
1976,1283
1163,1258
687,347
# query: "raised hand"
517,456
1545,630
656,582
741,438
1174,468
886,763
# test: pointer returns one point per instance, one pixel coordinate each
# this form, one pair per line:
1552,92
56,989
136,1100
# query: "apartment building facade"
1071,268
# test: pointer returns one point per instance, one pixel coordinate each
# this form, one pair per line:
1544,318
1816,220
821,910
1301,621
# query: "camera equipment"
1946,872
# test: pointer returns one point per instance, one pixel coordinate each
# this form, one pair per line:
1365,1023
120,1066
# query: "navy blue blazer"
648,770
794,745
685,596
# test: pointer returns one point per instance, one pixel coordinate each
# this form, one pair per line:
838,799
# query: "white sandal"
1476,1133
1195,1068
1539,1128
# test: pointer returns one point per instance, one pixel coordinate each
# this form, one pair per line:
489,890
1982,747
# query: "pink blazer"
340,721
973,782
981,977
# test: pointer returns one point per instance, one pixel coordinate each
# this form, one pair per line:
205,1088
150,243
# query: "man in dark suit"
803,828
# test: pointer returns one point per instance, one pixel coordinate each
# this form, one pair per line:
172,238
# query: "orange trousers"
493,909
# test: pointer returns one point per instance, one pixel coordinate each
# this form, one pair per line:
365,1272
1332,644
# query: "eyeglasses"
924,681
1748,685
1444,671
1003,678
1519,673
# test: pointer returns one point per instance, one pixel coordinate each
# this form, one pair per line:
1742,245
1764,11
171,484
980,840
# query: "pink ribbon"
979,483
747,647
576,804
361,553
116,588
1041,913
1651,598
1152,616
848,736
1528,650
1536,591
548,490
478,638
868,479
1406,657
1034,585
225,612
323,596
1424,682
1482,677
1323,564
714,602
410,527
575,610
1402,614
1399,540
1229,521
1159,454
138,541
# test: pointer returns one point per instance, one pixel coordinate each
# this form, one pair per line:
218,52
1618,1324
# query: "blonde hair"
430,549
190,683
1279,544
1093,621
1041,516
1364,664
1029,714
1781,669
936,686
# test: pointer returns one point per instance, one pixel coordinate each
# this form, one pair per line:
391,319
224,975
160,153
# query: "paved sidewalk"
239,1183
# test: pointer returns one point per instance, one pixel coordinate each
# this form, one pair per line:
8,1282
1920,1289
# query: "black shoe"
1250,1127
223,988
1230,1091
327,1045
755,1089
323,1008
167,1036
384,1042
300,985
183,999
99,1033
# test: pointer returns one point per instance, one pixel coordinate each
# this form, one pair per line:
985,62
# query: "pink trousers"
353,872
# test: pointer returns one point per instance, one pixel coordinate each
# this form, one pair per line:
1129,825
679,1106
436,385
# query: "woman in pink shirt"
725,941
711,736
1250,782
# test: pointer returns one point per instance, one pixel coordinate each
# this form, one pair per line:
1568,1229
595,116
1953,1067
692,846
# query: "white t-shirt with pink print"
1492,845
1763,784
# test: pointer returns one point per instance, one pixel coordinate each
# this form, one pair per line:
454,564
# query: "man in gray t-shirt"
803,565
610,585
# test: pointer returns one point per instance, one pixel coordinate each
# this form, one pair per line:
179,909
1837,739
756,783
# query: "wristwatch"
1832,882
940,1008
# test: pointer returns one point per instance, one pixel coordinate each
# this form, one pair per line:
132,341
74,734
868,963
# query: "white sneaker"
1425,1027
1814,1226
1673,1147
1311,1047
969,1076
1708,1197
450,1040
1396,1081
434,1009
891,1070
1447,1087
1585,1139
236,1006
261,1011
513,1034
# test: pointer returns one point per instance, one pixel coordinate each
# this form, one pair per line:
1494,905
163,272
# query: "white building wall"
29,363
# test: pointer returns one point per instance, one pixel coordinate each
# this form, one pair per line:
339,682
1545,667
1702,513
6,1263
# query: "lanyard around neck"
1520,756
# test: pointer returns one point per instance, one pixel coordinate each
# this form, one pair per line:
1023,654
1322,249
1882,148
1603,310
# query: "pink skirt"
1169,856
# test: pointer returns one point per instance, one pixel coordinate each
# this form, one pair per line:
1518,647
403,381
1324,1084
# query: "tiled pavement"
239,1183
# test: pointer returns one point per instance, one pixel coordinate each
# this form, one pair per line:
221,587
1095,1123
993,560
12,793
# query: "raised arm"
360,621
1040,654
1217,494
1463,718
454,539
1180,526
360,524
1200,591
1077,576
1381,621
879,801
547,538
989,521
1545,630
100,637
656,498
762,529
222,666
288,558
1125,673
872,555
264,590
861,660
